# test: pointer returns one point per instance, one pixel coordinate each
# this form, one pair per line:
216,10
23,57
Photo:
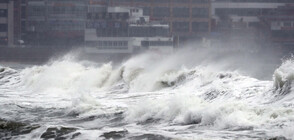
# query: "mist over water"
191,94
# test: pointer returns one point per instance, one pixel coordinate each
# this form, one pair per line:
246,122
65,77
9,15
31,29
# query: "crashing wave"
148,91
65,75
187,109
283,77
7,75
199,99
4,71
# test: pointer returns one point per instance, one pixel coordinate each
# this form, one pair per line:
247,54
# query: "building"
66,19
124,30
151,36
280,25
19,21
246,11
186,18
107,30
56,22
6,23
242,21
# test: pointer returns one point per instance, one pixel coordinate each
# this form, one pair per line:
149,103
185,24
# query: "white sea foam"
284,76
151,89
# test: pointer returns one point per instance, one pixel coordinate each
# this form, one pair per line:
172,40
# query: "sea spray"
283,77
147,96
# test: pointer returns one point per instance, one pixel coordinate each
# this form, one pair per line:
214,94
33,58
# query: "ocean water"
149,96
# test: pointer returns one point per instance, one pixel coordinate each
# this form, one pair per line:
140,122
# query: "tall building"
65,19
280,25
246,11
6,23
56,22
242,21
19,21
186,17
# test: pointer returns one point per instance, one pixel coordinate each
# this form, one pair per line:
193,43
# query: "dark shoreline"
29,54
41,55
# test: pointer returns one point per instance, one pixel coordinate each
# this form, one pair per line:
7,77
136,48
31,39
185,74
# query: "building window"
115,43
73,12
283,34
4,1
161,12
36,10
200,12
125,43
3,41
156,43
23,12
140,1
146,11
120,43
161,1
3,12
151,31
123,1
238,11
200,26
110,43
200,1
181,1
23,25
104,43
3,27
253,24
97,9
181,26
181,12
287,24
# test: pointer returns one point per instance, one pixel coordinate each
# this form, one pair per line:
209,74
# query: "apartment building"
185,17
243,22
6,23
281,25
242,13
124,30
56,22
19,21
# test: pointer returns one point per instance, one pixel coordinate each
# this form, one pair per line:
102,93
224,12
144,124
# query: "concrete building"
56,22
65,19
6,23
241,22
19,21
124,30
281,25
245,11
106,30
186,18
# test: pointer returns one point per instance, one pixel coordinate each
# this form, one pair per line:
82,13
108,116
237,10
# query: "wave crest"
284,76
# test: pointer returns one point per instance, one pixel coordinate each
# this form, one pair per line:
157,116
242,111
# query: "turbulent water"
146,97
